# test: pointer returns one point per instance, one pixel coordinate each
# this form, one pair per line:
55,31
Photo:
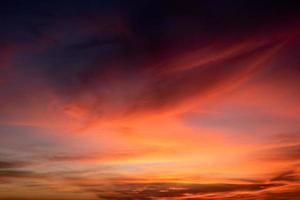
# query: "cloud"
93,93
285,153
288,195
17,174
111,72
13,164
290,176
174,190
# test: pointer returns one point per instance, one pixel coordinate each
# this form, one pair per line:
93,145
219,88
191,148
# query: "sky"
163,100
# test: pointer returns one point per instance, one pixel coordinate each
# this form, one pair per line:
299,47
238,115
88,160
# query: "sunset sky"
149,99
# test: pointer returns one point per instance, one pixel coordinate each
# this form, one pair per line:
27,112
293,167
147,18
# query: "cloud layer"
149,100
